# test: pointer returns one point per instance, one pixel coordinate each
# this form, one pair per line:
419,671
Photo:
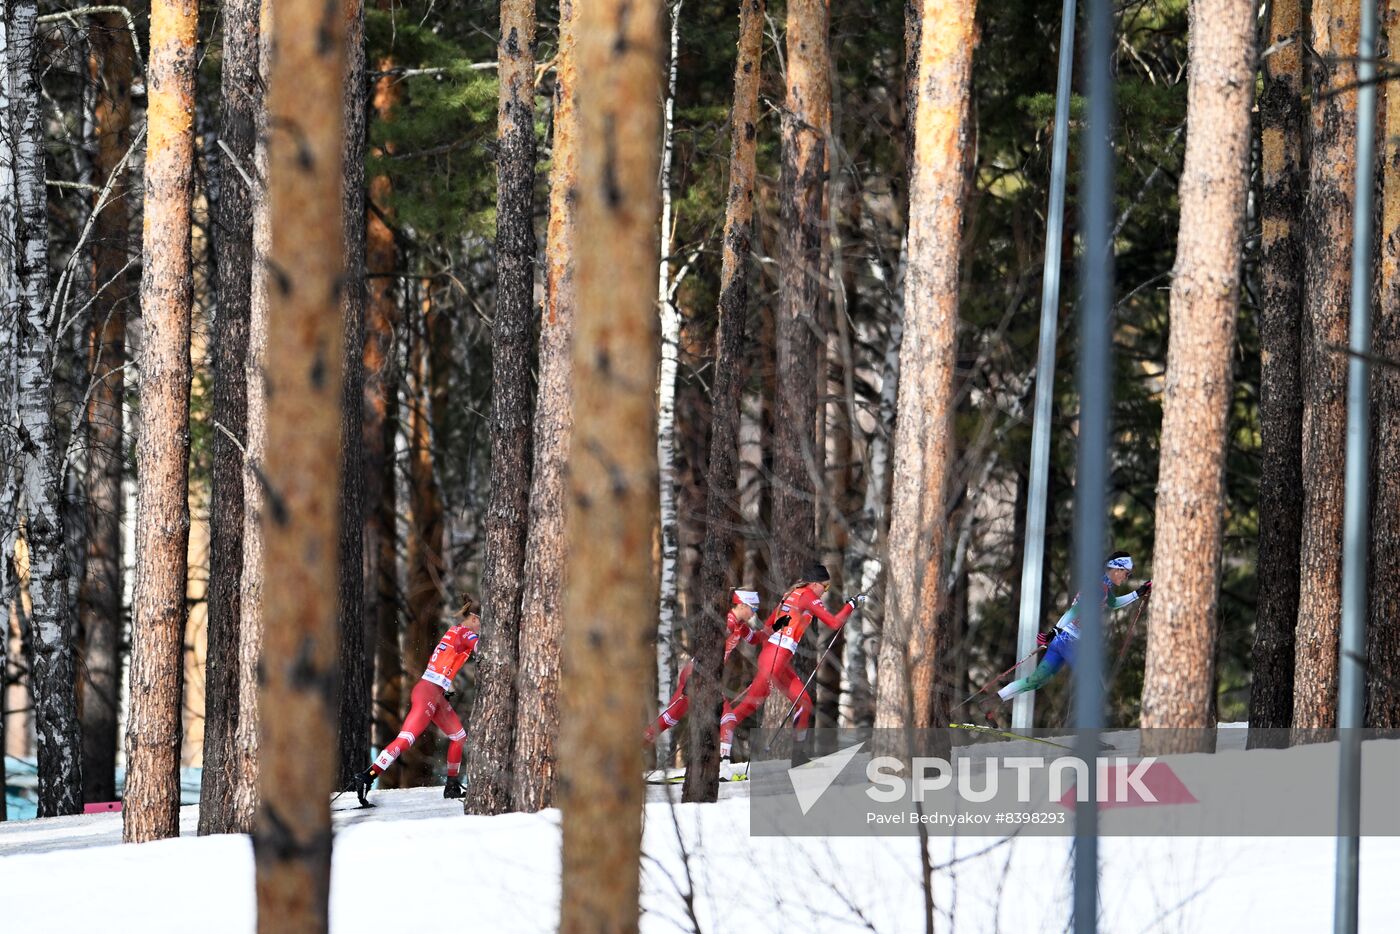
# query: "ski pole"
805,685
995,679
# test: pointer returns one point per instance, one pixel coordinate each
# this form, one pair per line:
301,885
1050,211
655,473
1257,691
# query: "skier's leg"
793,688
446,720
727,721
753,697
675,709
426,698
1055,658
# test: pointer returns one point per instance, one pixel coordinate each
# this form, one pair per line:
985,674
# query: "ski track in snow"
64,875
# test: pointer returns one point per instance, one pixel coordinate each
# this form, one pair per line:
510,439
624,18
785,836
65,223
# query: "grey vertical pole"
1095,394
1355,532
1023,709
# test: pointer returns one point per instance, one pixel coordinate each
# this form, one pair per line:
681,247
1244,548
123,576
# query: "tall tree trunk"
1179,683
1383,633
100,597
802,286
301,662
722,515
507,514
233,241
610,600
41,486
923,439
381,397
537,701
425,536
1327,277
356,657
1282,120
670,319
250,631
152,808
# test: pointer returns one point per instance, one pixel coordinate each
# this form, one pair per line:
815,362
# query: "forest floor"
701,871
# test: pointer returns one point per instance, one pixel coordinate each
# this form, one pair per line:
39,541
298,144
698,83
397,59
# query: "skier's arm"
819,610
1070,616
1117,603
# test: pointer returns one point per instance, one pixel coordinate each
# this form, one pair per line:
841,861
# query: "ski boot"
361,785
453,788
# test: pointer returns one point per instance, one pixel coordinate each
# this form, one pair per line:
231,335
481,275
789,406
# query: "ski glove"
1144,591
1043,639
857,600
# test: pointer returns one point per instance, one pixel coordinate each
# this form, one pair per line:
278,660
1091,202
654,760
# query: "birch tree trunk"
801,286
537,703
234,245
152,803
722,515
670,318
909,652
100,595
1383,632
250,631
507,514
1282,120
611,594
41,486
1179,683
356,657
1326,296
301,663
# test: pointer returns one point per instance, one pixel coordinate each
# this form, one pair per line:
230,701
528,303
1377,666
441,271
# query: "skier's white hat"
749,597
1125,563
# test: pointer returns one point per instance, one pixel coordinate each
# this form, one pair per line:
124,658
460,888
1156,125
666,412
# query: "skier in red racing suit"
739,623
430,705
788,621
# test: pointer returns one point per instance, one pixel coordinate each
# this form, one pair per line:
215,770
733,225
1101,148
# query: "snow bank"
701,870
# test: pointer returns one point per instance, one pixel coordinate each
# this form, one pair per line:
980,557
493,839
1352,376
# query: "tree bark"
722,515
923,440
233,218
611,595
507,513
1179,683
1383,634
301,664
356,657
41,485
100,596
801,288
537,702
1282,120
250,630
152,802
1327,291
381,398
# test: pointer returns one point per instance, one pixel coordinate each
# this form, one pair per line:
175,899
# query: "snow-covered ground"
416,857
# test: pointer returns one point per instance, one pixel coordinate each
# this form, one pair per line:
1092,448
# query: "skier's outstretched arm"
836,621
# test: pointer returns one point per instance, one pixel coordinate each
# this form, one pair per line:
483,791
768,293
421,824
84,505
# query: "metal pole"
1355,532
1095,394
1023,709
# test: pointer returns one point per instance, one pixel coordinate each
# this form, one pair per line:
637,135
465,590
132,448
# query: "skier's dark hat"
816,574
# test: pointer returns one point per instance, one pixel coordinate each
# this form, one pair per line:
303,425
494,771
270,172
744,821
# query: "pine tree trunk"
507,514
233,241
1327,278
802,289
922,449
41,486
1383,633
722,515
611,595
380,405
301,661
1179,683
1282,121
537,702
152,801
356,658
250,630
100,597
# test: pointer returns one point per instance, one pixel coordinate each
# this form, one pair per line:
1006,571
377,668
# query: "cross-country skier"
1060,641
430,705
740,623
788,621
